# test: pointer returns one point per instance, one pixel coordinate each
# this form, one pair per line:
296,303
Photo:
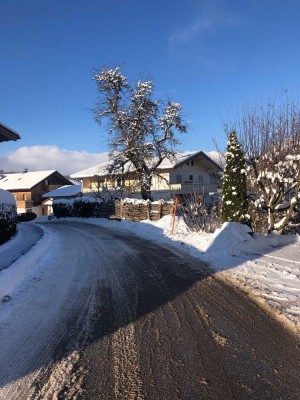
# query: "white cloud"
37,158
210,20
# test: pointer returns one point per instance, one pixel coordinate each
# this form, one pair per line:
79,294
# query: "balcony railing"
200,188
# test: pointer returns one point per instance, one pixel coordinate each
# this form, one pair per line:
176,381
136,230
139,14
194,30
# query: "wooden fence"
133,211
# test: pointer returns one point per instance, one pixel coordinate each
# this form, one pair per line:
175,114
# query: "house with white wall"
189,172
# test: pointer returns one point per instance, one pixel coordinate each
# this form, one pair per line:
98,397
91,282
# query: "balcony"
184,188
24,204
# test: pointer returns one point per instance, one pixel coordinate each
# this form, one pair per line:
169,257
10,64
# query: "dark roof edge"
8,133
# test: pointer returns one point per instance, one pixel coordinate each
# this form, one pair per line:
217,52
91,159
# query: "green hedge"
8,221
75,208
61,210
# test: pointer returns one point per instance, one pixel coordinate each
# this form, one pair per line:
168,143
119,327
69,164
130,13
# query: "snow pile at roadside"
26,266
229,240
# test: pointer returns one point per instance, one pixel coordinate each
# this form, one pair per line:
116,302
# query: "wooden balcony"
24,204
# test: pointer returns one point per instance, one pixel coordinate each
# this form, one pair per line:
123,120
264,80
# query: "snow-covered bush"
275,181
8,215
234,198
270,135
197,215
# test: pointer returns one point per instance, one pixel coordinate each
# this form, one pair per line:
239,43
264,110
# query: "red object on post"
174,215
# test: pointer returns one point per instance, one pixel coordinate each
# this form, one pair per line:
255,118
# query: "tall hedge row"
8,221
77,208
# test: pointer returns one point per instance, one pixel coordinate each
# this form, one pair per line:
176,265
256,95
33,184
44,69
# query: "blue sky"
213,57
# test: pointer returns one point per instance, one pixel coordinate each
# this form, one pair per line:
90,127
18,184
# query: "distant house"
7,134
188,173
29,187
64,192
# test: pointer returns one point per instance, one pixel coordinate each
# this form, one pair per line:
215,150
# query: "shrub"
83,209
61,210
197,215
8,216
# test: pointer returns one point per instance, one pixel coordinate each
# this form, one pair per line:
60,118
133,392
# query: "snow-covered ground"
269,265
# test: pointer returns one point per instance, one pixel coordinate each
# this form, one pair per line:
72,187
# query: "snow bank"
25,267
228,240
129,200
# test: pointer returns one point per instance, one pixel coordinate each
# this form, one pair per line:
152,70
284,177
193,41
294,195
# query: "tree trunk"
146,188
271,220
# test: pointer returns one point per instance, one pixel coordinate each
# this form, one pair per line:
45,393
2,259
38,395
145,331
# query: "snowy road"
38,324
124,318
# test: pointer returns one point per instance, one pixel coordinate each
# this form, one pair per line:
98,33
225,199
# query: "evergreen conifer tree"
234,198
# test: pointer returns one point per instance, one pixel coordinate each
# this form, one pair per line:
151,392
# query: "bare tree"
141,130
270,136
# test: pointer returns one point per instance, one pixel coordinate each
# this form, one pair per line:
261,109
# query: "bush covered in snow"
8,215
197,215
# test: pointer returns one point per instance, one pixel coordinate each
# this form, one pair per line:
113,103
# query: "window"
24,196
191,178
46,182
178,178
192,163
200,179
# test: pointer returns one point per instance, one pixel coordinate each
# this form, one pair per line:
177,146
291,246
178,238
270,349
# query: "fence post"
174,214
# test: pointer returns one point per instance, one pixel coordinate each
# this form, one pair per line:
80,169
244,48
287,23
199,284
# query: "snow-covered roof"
99,169
180,158
74,181
64,191
23,180
6,197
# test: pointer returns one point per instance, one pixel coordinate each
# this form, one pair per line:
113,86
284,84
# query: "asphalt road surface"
115,317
